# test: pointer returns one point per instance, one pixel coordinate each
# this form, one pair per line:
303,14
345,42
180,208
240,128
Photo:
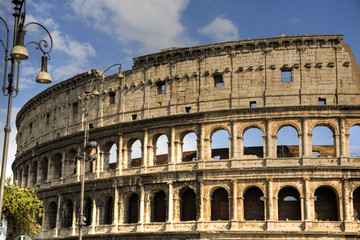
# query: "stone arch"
189,145
43,169
289,205
34,173
323,147
134,148
218,135
220,204
108,211
50,216
354,145
25,178
158,202
254,203
161,149
70,164
356,203
290,147
326,204
67,214
109,155
131,207
248,126
188,206
253,147
55,166
88,207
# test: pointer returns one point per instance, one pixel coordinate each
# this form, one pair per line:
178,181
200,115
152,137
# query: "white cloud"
153,24
221,30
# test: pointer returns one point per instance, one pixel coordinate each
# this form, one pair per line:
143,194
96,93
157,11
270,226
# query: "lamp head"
19,52
120,75
43,76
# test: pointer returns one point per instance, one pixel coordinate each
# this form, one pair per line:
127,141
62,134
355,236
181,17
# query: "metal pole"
81,217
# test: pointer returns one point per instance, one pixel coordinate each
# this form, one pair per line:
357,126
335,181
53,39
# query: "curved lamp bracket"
42,45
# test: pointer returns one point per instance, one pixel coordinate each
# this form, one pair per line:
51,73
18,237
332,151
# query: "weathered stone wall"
234,86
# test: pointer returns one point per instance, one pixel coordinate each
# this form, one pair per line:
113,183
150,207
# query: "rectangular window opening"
188,109
322,101
161,88
218,80
286,76
253,104
134,116
112,97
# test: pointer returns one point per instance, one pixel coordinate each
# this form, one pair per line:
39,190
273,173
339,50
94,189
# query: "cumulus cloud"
220,30
152,24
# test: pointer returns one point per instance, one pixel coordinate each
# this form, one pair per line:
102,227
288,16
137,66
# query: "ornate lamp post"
91,146
17,54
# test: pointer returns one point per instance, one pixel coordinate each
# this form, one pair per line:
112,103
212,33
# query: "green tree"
21,210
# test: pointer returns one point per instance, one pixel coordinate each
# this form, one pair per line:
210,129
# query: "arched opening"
287,142
70,164
159,207
356,204
133,209
113,157
135,154
43,169
55,167
354,142
220,145
25,177
34,173
322,142
109,211
20,177
188,205
289,207
51,216
67,214
189,147
88,211
220,205
325,204
253,143
161,153
254,204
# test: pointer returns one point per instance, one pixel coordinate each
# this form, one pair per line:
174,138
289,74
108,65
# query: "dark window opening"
218,80
188,109
51,216
356,204
322,101
109,211
159,210
112,97
325,204
253,104
188,205
220,205
289,204
161,88
91,125
254,204
47,118
68,214
286,76
134,116
133,209
87,211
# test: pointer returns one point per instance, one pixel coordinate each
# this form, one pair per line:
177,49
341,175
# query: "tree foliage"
21,210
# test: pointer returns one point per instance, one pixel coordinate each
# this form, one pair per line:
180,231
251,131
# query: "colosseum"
148,183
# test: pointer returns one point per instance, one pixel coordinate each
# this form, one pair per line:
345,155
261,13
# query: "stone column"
73,224
343,144
116,207
142,216
58,214
269,140
201,146
201,200
307,200
120,160
241,147
145,160
234,145
234,215
93,214
301,142
306,139
270,220
171,206
336,137
49,177
347,200
63,163
241,206
172,149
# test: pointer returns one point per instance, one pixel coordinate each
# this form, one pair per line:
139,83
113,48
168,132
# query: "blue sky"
92,34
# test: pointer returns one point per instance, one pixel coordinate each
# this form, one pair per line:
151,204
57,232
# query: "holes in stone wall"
253,142
289,207
162,150
354,144
323,142
287,142
325,204
189,147
220,145
254,204
220,205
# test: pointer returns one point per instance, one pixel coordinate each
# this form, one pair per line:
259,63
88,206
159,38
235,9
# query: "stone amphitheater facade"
300,82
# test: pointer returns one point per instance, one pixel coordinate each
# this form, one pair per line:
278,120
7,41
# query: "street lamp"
90,146
17,54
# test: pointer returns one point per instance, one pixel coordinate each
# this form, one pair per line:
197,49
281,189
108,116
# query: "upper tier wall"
283,71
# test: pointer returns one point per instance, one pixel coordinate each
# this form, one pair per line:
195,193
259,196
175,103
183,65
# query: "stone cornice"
170,55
